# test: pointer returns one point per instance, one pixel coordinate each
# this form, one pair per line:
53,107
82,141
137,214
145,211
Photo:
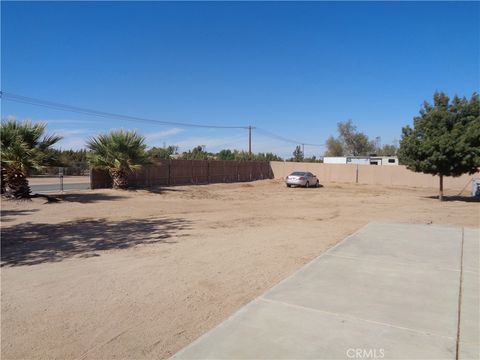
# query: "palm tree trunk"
16,184
120,178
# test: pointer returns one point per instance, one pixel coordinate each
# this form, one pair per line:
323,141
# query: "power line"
103,114
281,138
59,106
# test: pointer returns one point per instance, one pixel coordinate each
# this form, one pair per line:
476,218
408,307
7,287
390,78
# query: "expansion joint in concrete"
355,318
457,347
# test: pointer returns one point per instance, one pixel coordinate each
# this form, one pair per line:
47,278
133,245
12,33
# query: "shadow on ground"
88,198
457,198
7,215
156,189
30,244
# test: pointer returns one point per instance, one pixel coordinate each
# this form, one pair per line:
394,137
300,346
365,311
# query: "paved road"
389,291
49,188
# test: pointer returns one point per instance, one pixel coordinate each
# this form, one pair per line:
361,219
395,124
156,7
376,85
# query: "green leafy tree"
242,155
387,150
334,147
226,154
355,143
349,142
23,147
197,153
297,154
74,162
445,138
163,152
267,157
120,152
245,156
312,159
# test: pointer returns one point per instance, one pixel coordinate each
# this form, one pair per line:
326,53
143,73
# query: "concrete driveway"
390,291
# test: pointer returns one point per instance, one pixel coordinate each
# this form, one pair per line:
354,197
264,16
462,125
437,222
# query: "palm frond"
22,146
121,150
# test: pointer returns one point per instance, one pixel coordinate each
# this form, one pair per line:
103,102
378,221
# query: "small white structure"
361,160
383,160
334,160
358,160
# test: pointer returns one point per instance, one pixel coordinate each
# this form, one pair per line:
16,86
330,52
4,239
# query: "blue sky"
295,69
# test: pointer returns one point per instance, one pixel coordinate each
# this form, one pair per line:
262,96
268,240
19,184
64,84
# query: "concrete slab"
471,250
469,351
470,309
421,245
272,330
390,291
399,295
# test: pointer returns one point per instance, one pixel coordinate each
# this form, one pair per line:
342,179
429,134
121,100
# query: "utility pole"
250,140
303,150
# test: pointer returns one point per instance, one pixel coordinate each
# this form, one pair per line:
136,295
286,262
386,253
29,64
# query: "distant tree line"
299,156
444,141
199,153
72,162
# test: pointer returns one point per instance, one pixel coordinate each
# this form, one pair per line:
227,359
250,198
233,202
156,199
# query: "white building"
361,160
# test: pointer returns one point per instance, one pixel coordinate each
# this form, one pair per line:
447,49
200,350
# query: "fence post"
208,171
60,175
91,170
169,172
356,175
192,180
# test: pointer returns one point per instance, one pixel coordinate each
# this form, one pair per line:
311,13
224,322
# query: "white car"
302,178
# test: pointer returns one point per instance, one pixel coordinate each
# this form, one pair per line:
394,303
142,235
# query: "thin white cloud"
49,121
9,117
212,144
162,135
70,132
67,121
74,143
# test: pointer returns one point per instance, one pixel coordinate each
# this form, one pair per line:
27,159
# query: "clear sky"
295,69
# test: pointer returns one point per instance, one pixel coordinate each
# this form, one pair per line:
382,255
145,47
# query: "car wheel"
288,185
317,184
307,184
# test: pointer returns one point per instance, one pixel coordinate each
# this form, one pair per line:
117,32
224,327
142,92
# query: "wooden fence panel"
100,179
183,172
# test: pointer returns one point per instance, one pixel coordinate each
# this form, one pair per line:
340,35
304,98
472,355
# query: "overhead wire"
103,114
278,137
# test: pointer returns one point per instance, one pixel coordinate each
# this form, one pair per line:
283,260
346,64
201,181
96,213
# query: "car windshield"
298,173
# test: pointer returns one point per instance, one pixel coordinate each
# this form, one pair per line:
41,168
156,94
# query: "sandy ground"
140,274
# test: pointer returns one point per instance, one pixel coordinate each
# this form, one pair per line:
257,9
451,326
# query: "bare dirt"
139,274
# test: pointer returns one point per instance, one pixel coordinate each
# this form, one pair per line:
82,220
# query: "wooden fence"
185,172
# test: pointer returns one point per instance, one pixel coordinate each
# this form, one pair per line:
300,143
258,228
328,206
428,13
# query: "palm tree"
23,147
120,152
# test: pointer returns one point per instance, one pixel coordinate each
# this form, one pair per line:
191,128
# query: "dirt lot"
112,274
